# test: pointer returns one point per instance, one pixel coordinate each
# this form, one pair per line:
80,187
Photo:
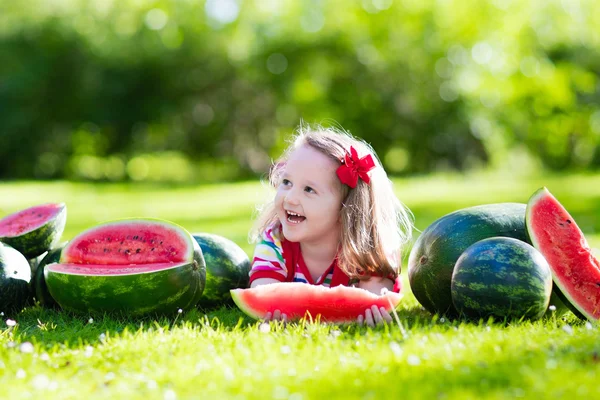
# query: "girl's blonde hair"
375,224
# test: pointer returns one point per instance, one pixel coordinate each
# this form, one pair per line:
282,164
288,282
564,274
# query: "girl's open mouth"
294,218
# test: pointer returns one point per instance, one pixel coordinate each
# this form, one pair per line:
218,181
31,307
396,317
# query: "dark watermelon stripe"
227,268
135,294
501,277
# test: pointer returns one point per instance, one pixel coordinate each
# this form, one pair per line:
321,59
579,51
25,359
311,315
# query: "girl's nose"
291,197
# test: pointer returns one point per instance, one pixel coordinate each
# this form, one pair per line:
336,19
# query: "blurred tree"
100,89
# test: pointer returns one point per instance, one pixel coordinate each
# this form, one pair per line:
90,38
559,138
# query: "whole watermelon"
15,274
227,267
38,282
435,252
503,278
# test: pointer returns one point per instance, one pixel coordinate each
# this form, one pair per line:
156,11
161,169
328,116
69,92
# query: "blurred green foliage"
193,90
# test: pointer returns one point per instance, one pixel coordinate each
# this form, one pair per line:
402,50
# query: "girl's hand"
375,316
276,316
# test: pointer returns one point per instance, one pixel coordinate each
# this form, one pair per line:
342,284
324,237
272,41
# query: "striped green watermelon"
135,266
340,304
38,281
35,230
435,252
501,277
15,275
575,269
227,267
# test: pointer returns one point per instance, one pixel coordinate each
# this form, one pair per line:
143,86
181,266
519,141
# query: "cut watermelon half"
138,266
340,304
574,268
34,230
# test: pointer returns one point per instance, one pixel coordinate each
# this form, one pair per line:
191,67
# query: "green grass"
223,354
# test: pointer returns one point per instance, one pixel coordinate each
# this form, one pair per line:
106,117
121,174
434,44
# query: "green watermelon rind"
163,291
227,267
563,292
39,288
442,243
134,294
36,242
501,277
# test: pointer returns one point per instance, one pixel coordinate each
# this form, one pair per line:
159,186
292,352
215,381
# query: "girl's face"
309,198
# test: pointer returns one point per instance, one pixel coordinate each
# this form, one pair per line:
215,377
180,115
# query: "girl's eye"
309,189
286,182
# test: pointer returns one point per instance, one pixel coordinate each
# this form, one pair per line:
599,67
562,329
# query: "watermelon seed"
568,221
152,249
127,251
135,237
138,250
423,260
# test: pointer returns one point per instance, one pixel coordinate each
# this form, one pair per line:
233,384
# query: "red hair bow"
354,167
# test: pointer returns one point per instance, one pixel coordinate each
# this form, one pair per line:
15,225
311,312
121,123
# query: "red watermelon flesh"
130,242
28,220
297,300
555,234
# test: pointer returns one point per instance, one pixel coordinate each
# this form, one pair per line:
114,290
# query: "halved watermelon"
35,230
137,266
574,268
341,304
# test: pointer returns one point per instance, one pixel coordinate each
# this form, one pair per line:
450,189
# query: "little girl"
334,221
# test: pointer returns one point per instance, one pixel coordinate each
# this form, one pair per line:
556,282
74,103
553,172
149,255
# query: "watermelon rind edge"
236,296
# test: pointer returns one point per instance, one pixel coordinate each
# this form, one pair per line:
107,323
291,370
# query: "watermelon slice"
137,266
574,268
340,304
35,230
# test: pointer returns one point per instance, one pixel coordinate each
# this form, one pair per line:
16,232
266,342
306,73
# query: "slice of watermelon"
35,230
340,304
575,270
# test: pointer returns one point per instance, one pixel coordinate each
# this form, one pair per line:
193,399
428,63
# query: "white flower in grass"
89,351
152,385
91,321
589,326
21,374
45,357
413,360
285,349
102,337
40,382
26,347
11,322
169,394
109,376
568,329
179,311
552,307
264,327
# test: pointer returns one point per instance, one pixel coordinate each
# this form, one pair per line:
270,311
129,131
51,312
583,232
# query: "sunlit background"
204,91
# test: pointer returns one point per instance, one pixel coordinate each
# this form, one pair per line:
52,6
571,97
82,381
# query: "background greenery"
218,354
195,91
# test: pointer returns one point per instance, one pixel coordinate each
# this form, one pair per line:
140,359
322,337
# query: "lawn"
215,354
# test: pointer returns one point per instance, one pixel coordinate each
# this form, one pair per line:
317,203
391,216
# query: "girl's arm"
263,281
375,284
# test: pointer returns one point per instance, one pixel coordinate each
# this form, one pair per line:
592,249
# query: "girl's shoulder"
272,234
